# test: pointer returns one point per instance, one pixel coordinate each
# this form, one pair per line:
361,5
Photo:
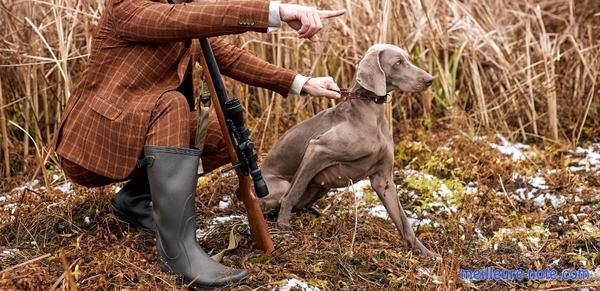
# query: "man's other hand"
306,20
322,87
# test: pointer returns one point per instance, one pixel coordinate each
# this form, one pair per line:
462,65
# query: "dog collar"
353,95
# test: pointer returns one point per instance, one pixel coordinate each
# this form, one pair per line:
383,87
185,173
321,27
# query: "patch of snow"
480,235
223,219
574,218
556,200
425,271
538,181
523,194
442,192
591,160
215,224
479,138
203,233
11,206
535,240
378,211
595,274
66,187
471,188
9,252
510,149
298,284
357,188
539,201
225,202
29,185
590,229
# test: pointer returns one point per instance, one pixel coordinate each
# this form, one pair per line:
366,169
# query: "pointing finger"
330,13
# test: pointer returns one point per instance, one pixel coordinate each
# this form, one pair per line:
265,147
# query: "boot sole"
199,287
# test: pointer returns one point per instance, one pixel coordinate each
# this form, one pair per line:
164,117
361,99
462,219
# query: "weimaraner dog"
346,143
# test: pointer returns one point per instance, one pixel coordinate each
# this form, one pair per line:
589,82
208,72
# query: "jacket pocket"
104,108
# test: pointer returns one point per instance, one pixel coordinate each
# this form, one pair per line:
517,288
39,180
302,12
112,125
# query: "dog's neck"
358,89
368,109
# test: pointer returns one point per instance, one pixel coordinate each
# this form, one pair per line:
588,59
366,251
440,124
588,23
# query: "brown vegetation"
527,69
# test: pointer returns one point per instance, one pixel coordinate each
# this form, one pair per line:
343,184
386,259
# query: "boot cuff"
150,149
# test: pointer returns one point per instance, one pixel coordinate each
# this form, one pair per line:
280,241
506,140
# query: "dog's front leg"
383,184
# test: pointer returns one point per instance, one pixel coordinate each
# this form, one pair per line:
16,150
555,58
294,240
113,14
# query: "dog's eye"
399,63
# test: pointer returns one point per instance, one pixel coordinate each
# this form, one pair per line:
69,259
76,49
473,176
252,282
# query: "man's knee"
174,101
169,124
82,176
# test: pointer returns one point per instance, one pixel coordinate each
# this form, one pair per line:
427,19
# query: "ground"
476,200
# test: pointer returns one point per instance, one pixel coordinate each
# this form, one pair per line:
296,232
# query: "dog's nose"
427,80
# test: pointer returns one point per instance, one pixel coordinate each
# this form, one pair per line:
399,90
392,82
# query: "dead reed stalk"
529,71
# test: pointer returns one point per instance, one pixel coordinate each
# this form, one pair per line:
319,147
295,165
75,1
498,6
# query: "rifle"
240,148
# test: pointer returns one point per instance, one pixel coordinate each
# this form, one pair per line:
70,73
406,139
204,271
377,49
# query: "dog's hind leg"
322,152
316,158
312,163
383,184
277,188
313,194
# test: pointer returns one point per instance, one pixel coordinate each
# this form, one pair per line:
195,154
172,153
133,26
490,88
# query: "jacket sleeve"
149,21
245,67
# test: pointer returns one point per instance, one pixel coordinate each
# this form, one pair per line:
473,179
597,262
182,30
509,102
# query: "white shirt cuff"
297,85
274,17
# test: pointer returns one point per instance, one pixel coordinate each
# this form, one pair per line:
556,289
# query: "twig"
25,263
506,194
55,285
355,220
140,269
63,260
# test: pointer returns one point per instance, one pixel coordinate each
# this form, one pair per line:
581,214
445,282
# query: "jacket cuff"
274,17
298,84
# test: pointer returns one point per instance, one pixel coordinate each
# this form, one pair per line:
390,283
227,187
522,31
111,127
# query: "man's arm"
245,67
145,20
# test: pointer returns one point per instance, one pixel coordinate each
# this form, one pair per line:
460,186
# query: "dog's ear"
370,75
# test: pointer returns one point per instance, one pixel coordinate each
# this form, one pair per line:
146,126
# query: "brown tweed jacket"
138,53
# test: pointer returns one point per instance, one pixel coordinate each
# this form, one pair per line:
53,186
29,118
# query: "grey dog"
346,143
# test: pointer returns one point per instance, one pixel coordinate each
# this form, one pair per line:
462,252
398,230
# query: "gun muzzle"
260,187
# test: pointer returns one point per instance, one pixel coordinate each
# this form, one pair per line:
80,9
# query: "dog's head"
386,67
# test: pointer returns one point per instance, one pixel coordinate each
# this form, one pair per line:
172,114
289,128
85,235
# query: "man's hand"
322,87
306,20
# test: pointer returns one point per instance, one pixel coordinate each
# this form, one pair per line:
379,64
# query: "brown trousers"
173,125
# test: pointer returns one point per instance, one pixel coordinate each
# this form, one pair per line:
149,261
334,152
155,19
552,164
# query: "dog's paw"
427,253
284,224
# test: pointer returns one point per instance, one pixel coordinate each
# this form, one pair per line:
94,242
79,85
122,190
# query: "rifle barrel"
213,70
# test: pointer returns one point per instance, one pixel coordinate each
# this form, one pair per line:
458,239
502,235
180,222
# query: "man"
131,103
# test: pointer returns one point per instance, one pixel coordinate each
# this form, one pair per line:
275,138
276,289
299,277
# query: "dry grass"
345,248
528,69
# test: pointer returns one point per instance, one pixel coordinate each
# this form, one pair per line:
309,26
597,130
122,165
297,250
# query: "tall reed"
529,69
